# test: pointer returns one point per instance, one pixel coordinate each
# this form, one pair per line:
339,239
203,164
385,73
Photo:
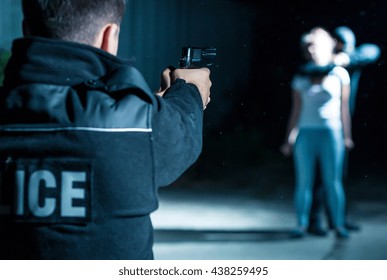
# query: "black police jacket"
84,146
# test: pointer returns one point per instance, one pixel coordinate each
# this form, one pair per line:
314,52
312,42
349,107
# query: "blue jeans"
326,146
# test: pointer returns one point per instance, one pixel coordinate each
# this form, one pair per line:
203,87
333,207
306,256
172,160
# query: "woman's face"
321,47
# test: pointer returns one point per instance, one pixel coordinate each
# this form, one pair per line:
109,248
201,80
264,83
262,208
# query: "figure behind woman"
319,129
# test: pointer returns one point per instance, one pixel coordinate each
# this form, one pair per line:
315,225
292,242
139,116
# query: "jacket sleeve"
364,54
312,69
177,126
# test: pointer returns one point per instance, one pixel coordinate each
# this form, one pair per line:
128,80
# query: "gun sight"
193,57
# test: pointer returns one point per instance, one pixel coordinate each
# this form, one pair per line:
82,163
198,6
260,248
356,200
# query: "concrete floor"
198,224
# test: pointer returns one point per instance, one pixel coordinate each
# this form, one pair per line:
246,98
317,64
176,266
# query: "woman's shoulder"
339,70
342,73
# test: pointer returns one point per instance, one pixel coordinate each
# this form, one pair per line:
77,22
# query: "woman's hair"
71,20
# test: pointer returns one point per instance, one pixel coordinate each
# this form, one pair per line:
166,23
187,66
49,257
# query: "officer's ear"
108,38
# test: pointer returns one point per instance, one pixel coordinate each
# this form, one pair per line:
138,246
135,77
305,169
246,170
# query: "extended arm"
178,122
363,55
312,69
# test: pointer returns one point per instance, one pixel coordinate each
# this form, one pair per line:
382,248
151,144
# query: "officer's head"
93,22
346,40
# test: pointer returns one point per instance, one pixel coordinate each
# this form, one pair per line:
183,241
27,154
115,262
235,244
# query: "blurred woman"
319,129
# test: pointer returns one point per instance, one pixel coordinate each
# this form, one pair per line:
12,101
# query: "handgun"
194,57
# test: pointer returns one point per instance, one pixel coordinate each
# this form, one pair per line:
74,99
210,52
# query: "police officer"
84,143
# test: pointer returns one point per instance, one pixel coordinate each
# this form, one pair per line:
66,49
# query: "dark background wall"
258,53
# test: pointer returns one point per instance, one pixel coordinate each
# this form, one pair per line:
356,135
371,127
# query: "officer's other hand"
341,59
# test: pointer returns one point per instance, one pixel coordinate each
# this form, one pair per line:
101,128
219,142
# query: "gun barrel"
192,57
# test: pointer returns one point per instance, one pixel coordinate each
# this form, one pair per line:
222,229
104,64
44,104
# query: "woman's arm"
346,117
292,131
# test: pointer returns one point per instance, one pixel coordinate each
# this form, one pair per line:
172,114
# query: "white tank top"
321,103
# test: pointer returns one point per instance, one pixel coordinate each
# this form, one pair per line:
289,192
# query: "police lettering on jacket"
48,191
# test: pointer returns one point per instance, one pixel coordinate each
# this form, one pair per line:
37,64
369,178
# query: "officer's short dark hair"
71,20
